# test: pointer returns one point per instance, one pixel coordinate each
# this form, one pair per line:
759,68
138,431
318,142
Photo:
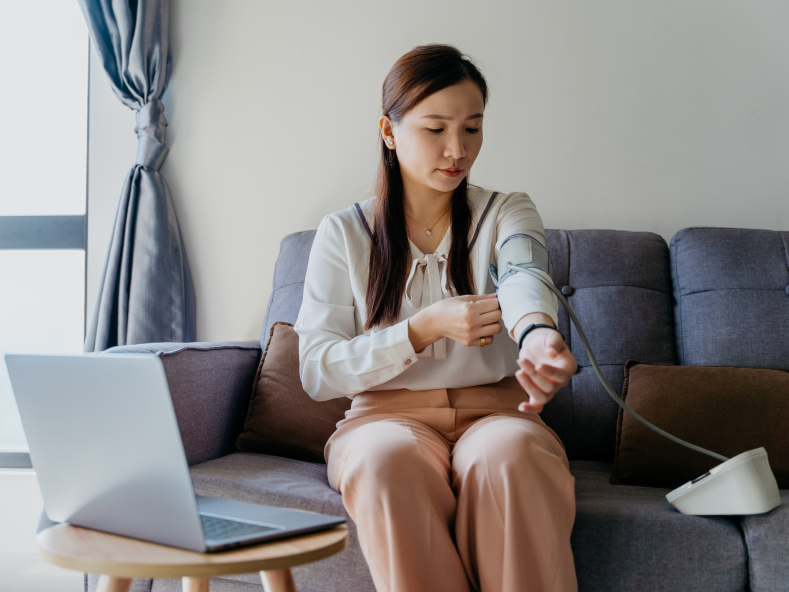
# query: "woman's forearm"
526,320
422,331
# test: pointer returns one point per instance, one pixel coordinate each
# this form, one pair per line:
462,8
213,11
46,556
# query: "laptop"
106,447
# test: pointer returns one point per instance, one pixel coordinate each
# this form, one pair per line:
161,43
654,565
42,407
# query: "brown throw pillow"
283,419
726,410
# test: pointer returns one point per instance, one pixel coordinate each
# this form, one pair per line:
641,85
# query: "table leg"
112,584
277,580
194,585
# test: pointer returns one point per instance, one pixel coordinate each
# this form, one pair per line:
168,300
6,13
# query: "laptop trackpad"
255,513
242,511
271,516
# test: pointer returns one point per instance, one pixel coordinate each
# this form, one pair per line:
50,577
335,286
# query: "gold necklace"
429,231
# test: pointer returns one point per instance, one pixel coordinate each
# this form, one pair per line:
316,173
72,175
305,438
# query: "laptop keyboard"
219,529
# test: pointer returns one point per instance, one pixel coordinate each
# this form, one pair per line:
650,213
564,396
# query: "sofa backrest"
731,293
287,290
619,286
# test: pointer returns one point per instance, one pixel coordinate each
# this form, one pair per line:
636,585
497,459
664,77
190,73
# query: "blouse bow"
436,287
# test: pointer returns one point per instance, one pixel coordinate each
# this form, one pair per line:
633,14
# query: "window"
43,215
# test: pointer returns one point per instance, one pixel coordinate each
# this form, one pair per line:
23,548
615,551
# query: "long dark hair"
421,72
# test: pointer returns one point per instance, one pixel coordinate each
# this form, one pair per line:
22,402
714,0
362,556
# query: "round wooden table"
119,559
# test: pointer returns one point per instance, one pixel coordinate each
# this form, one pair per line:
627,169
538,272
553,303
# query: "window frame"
50,233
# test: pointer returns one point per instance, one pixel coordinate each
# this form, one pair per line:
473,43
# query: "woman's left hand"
547,365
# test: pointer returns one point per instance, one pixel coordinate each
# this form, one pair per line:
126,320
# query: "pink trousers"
455,490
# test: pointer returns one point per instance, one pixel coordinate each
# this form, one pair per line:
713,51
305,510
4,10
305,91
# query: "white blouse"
338,358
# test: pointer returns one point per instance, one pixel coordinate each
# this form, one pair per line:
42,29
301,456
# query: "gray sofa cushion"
210,384
619,285
731,292
767,537
630,538
625,538
287,289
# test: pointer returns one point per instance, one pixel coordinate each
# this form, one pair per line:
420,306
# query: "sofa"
715,296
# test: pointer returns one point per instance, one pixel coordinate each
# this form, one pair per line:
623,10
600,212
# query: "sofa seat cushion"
624,538
284,482
629,538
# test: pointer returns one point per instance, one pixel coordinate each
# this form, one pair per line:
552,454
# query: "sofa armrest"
210,384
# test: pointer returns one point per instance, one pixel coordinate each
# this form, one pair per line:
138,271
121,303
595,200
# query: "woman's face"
439,139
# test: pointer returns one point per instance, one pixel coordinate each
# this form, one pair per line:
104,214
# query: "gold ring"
482,342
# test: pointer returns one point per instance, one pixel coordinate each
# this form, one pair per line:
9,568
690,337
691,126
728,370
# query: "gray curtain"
146,293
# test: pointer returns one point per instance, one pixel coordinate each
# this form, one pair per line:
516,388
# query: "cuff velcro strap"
536,326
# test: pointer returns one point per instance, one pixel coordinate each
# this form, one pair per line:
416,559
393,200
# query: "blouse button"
568,290
408,361
787,290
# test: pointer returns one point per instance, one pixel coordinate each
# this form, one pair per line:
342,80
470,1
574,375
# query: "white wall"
648,116
112,149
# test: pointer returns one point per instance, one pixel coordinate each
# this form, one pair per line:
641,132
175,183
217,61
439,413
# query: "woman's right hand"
465,319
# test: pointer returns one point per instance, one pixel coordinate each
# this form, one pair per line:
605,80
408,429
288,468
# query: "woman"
452,478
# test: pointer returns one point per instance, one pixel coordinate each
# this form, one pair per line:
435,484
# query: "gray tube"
599,373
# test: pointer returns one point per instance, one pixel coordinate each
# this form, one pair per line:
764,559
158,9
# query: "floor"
28,573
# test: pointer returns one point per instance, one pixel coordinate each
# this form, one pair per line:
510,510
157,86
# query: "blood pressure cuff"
523,251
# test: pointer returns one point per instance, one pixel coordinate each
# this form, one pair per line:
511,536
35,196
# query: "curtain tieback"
151,127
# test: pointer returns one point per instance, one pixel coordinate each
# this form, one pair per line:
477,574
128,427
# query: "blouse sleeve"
333,360
521,294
